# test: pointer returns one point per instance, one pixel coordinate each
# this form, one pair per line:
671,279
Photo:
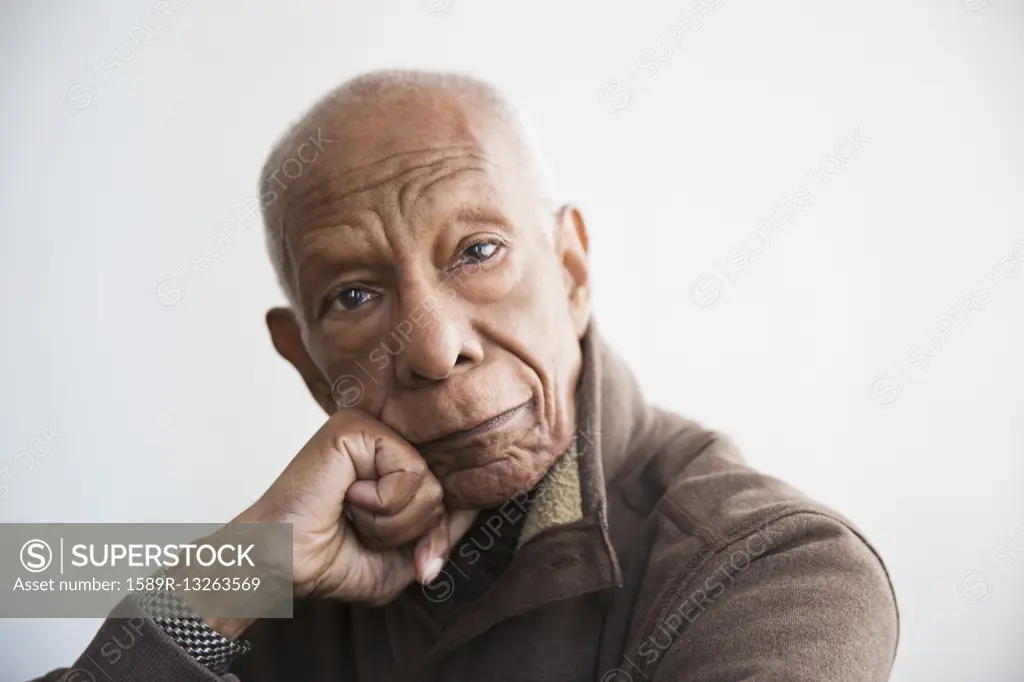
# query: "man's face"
437,294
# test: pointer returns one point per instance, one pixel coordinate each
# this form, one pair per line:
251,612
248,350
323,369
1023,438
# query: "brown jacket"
679,562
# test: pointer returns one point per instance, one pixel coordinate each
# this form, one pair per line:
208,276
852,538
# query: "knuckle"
435,494
391,504
395,490
417,466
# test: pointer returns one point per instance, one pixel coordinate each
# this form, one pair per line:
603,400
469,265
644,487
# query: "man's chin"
494,483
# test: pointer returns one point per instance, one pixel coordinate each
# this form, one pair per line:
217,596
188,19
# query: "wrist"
200,602
265,512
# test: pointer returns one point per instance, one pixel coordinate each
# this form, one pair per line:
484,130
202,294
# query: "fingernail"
432,570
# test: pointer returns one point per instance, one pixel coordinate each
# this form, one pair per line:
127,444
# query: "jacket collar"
611,414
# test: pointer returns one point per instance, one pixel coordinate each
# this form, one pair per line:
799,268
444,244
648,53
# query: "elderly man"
491,498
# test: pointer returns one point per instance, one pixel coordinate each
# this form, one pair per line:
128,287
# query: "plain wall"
173,406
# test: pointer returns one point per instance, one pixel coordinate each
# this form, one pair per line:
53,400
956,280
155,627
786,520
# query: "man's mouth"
493,424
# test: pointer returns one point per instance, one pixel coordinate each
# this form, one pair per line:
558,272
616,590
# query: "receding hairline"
477,97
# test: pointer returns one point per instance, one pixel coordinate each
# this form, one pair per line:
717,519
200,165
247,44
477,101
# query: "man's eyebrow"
477,213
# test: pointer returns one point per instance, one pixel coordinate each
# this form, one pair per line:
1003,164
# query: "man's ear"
287,337
573,248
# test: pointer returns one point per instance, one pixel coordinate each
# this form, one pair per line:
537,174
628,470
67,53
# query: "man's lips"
492,424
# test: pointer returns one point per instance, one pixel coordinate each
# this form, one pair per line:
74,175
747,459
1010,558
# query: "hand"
356,468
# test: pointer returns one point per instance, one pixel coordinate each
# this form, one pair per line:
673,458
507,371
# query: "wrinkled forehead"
397,150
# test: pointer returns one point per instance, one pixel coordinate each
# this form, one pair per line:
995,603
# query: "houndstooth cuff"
189,630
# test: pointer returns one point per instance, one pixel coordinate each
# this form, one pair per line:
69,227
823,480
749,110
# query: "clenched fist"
356,474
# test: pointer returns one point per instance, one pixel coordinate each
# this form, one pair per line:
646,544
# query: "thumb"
432,549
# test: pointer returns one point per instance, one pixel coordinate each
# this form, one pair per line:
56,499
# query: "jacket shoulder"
731,540
698,479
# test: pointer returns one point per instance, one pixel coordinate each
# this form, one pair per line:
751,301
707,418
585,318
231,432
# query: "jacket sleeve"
133,648
816,605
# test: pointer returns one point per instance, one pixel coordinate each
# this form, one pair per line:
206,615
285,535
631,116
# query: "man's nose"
438,338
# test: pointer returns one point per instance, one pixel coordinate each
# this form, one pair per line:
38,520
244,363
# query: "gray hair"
470,91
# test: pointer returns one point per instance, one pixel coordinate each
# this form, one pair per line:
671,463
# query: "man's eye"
480,252
351,298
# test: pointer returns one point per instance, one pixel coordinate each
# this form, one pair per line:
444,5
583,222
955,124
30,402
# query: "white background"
187,414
